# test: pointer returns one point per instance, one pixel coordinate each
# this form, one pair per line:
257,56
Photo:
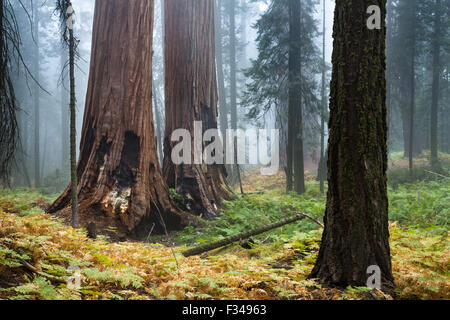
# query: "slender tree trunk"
65,117
243,61
406,35
405,115
389,73
21,157
291,113
120,181
22,162
44,152
322,171
9,134
295,93
233,81
223,108
3,93
445,126
356,233
3,63
191,95
36,94
290,148
159,131
73,132
412,110
435,85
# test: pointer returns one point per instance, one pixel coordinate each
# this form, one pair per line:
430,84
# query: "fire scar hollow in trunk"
120,179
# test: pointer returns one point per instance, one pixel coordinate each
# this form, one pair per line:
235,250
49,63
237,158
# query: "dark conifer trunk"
435,85
73,131
356,233
322,172
191,95
389,58
412,108
65,118
295,93
407,27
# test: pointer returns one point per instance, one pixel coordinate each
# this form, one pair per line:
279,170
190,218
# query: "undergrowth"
256,210
275,268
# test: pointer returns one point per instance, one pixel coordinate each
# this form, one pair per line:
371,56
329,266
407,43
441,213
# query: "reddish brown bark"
191,95
120,179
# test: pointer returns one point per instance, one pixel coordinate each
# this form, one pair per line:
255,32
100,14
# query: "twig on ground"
42,274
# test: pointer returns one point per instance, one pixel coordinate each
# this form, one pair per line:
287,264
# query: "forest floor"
36,249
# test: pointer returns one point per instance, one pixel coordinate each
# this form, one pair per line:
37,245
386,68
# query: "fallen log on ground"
437,174
242,236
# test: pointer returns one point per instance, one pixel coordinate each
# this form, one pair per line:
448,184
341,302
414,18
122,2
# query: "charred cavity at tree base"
190,201
188,204
111,213
99,222
120,184
125,174
153,225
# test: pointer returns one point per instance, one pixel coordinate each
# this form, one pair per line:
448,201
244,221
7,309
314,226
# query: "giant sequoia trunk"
191,95
356,233
120,180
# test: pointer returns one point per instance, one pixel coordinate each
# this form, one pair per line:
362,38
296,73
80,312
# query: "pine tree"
356,234
436,51
283,77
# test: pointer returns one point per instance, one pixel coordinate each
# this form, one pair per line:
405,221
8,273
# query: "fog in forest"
47,63
224,149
